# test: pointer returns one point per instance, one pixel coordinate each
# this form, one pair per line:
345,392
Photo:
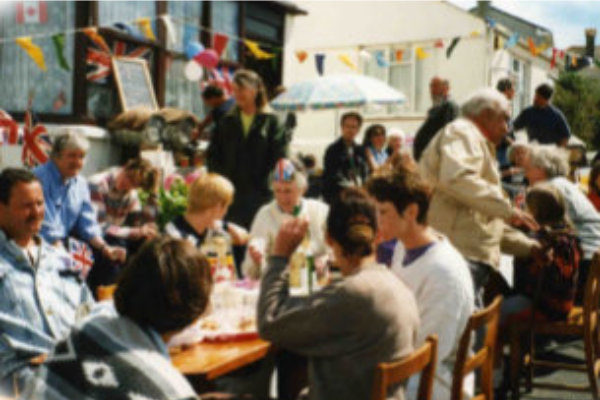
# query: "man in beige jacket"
468,204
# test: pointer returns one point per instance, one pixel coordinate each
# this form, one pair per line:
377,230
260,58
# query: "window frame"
390,49
86,14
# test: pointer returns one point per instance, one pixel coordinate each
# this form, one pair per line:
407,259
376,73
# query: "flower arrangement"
171,199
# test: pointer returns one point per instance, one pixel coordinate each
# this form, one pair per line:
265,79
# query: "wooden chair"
105,292
487,319
390,373
582,322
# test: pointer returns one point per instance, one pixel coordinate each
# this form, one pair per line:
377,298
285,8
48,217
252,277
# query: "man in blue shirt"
69,210
40,297
545,123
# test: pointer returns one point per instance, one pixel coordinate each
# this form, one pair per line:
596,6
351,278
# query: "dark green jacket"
247,160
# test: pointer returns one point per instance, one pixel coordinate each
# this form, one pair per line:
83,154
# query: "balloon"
192,49
193,71
208,58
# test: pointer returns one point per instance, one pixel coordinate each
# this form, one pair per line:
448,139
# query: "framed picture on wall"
134,83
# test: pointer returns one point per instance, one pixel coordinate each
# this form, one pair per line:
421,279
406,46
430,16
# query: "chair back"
392,373
484,357
591,295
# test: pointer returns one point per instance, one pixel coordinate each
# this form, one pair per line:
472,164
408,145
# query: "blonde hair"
208,191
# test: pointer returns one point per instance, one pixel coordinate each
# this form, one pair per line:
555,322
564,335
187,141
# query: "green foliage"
578,97
170,203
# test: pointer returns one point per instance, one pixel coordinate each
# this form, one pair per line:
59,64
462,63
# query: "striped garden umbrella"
336,91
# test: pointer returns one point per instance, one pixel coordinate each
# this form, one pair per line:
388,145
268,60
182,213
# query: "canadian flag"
32,12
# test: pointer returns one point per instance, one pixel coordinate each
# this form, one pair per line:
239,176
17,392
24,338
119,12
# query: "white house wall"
334,28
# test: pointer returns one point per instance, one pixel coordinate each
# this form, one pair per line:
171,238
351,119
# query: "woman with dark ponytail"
366,317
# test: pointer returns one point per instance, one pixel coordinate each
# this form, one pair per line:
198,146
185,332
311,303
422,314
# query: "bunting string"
221,40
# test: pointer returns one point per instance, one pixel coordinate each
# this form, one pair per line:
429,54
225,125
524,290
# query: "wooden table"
211,360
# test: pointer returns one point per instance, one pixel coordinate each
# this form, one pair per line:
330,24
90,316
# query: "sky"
566,19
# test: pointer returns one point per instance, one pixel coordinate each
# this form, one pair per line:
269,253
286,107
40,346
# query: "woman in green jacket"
248,142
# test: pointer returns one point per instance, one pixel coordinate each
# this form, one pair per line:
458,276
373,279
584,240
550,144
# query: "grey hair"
553,160
68,140
484,99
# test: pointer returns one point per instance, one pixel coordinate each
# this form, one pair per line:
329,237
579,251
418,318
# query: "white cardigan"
266,225
441,282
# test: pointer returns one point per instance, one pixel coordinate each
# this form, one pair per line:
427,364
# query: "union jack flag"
36,143
9,129
100,61
220,77
82,257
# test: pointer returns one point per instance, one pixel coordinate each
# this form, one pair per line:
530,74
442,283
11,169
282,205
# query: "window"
263,23
186,17
52,90
225,19
373,67
407,74
102,97
522,77
181,93
112,12
402,76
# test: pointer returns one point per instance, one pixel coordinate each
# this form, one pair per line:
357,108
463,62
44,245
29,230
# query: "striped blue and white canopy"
336,91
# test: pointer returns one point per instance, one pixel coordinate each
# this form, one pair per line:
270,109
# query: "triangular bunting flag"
421,54
381,61
399,55
452,46
439,44
146,27
220,42
301,56
257,51
347,61
512,41
365,55
59,46
169,28
319,61
95,37
32,50
553,60
532,48
543,47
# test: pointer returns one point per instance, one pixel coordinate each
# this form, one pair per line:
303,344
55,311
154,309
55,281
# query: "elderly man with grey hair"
442,111
69,211
468,204
550,163
289,185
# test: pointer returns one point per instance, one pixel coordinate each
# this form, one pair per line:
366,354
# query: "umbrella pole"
336,125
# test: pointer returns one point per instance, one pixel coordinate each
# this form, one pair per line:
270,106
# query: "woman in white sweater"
289,185
431,267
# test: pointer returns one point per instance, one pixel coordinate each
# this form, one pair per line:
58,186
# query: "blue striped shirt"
38,305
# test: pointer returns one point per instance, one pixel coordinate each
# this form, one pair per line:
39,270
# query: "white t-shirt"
441,282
